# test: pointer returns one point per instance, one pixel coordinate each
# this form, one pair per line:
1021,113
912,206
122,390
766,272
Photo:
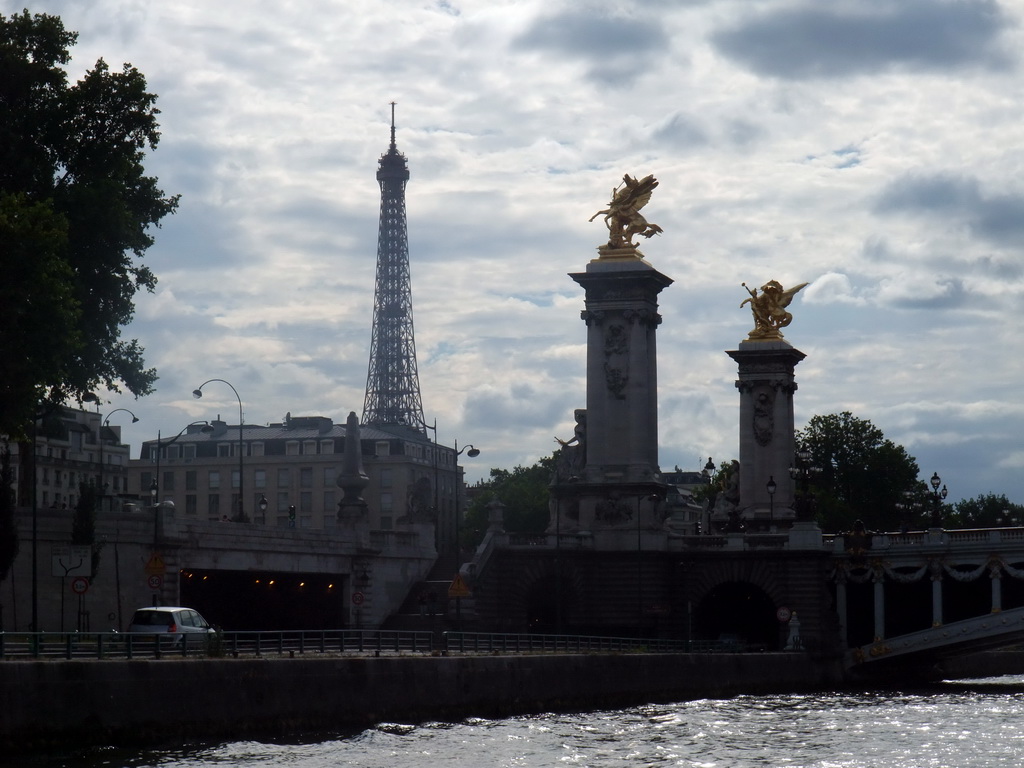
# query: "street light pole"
937,499
771,487
104,421
198,393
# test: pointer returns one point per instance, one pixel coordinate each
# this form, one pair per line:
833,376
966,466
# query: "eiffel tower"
392,383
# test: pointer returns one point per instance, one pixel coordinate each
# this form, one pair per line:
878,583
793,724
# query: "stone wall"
47,704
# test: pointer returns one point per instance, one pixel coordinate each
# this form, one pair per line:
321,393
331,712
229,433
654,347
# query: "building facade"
72,446
290,472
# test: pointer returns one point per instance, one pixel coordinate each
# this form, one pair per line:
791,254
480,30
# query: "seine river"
957,725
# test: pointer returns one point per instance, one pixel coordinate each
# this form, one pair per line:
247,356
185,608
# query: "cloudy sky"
872,148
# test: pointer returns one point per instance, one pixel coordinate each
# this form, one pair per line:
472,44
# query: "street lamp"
262,504
198,393
472,452
802,471
105,421
771,488
154,487
937,497
908,510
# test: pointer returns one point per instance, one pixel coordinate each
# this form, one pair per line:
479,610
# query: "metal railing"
23,646
491,642
126,645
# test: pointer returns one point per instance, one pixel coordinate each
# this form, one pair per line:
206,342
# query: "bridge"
917,596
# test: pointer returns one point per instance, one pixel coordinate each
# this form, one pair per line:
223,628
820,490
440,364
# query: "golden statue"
770,310
623,219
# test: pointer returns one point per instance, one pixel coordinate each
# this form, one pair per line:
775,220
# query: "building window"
282,501
306,477
168,482
190,480
329,508
283,477
260,478
385,502
235,478
385,478
309,448
145,480
255,449
326,446
214,479
191,507
292,448
189,451
306,502
213,506
330,476
174,452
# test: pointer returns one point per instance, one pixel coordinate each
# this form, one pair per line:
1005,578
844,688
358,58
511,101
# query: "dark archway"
248,600
737,612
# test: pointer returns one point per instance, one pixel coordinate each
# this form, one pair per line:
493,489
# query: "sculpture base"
609,251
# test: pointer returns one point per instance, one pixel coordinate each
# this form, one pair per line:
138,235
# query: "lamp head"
936,481
197,393
771,486
135,419
472,452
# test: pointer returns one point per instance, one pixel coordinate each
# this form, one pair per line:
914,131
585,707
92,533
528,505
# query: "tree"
987,510
75,212
863,475
9,543
523,491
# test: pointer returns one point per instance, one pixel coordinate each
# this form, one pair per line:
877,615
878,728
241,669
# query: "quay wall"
52,704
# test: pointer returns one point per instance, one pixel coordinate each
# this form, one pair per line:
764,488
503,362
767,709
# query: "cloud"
834,40
616,48
957,200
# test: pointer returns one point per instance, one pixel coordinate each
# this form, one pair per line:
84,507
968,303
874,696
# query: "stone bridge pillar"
620,482
767,442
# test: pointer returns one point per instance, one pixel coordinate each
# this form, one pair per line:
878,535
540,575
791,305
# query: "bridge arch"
737,612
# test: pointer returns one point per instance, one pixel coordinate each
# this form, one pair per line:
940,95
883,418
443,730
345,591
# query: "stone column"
936,575
621,477
767,443
879,583
995,573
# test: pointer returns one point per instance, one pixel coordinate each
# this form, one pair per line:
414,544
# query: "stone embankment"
47,704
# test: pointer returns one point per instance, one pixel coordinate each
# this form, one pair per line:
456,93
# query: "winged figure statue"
769,309
622,216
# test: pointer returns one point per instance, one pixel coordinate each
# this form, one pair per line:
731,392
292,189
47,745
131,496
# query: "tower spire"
392,382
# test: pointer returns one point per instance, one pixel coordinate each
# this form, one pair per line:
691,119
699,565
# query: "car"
168,618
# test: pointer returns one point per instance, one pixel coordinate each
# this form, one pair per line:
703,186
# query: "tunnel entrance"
255,600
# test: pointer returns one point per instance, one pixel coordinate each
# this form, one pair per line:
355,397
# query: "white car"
166,618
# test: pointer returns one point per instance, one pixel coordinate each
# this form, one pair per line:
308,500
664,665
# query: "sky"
871,148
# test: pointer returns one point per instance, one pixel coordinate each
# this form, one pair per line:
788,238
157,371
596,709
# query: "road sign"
458,587
357,598
79,585
73,560
783,614
155,566
155,581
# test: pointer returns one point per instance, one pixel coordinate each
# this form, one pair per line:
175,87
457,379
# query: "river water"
956,725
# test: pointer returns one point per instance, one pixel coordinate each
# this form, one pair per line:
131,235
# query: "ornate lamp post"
240,517
771,487
105,421
908,510
802,471
262,505
937,497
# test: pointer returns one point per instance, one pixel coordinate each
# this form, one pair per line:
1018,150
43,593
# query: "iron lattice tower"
392,383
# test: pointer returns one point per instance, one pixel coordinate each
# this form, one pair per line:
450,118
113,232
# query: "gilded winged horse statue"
622,216
770,309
